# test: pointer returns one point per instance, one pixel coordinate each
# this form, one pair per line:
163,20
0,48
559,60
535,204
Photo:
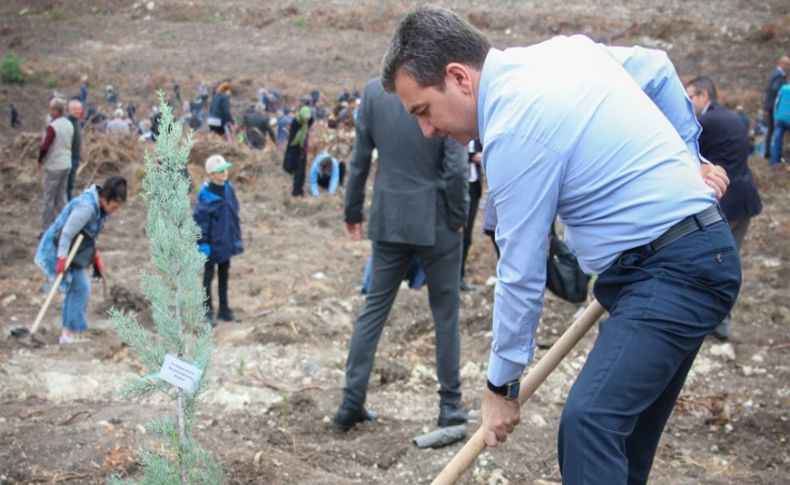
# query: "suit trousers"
54,195
391,261
661,307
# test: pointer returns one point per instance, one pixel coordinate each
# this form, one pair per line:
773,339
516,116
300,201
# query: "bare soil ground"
276,375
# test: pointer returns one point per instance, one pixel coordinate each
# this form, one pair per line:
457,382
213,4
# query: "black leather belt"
689,225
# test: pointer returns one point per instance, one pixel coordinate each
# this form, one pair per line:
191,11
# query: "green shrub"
57,14
11,69
52,81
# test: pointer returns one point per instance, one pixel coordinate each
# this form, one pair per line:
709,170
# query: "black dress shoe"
226,314
346,418
452,415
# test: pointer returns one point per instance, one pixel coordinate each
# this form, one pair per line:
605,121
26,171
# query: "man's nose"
427,129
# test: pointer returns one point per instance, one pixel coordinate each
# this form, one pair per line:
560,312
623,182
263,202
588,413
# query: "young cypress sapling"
177,302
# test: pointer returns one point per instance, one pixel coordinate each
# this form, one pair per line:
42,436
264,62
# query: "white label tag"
180,374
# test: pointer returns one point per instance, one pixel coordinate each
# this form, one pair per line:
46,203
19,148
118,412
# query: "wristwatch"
508,391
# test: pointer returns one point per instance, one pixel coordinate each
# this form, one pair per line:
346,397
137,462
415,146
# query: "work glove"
205,248
98,267
61,267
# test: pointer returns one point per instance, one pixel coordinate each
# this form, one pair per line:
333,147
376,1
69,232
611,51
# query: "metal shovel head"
20,332
441,437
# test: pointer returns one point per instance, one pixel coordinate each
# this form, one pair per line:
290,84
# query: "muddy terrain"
276,376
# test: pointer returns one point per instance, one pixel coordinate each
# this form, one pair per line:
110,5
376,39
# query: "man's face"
450,112
75,108
698,98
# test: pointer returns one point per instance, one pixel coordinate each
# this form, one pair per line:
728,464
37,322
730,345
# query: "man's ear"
460,75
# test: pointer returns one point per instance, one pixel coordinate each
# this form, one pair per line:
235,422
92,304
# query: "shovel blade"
441,437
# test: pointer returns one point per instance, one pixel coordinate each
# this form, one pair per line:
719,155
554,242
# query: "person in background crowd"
781,124
110,95
75,113
14,120
54,157
295,159
776,79
256,126
284,121
118,125
220,119
725,141
84,89
327,172
475,157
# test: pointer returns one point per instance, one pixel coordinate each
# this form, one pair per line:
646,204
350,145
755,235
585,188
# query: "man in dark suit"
775,81
419,209
725,142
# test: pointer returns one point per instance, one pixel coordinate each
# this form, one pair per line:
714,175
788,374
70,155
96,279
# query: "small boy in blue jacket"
217,215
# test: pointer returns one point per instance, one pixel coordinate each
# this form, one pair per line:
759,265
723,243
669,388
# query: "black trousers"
475,192
223,269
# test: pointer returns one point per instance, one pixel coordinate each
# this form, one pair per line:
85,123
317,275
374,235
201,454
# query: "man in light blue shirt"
605,138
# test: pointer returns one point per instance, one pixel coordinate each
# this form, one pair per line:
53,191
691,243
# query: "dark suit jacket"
421,184
775,81
725,141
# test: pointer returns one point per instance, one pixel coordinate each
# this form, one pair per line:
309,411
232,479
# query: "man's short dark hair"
426,40
704,83
114,188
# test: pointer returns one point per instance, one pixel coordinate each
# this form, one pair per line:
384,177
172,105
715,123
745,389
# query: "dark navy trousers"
662,304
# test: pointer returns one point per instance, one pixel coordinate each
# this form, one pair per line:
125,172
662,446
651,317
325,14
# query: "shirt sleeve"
78,218
359,167
654,73
334,180
312,181
524,178
48,139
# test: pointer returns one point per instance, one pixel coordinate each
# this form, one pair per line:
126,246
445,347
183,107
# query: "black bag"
86,252
564,277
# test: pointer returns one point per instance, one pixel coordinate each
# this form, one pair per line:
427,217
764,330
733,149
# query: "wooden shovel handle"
545,366
56,284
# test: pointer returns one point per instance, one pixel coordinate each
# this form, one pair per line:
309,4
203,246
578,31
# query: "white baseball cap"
217,163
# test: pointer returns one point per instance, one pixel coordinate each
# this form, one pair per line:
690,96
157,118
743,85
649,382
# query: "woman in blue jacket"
86,214
217,215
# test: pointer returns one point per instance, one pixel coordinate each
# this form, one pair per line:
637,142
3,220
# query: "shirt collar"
705,109
781,70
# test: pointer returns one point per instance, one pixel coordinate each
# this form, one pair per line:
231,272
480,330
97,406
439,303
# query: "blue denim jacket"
47,253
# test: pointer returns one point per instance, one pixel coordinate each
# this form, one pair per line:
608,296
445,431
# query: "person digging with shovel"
606,138
85,214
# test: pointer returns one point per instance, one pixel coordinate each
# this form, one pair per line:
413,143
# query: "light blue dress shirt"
606,138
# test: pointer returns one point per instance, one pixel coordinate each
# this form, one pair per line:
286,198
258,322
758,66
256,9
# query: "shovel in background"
22,331
461,461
